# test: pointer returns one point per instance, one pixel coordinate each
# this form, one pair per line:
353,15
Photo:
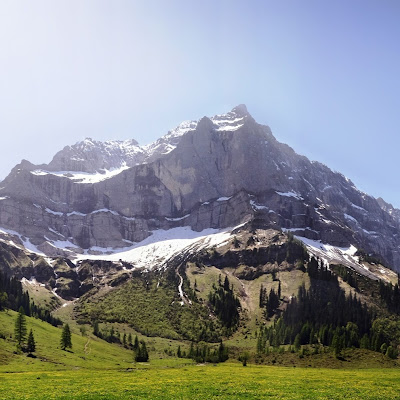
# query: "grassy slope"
248,292
42,296
87,352
154,309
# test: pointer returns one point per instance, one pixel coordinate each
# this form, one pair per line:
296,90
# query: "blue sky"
324,75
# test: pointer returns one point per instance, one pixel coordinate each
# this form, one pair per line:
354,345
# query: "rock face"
213,173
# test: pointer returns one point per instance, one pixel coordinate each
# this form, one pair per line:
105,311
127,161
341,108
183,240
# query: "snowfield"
346,256
83,177
160,246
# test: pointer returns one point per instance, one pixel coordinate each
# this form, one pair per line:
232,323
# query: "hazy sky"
324,75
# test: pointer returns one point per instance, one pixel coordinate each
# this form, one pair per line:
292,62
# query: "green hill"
87,351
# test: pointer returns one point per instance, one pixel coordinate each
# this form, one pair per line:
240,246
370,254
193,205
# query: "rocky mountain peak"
232,120
90,156
213,173
240,110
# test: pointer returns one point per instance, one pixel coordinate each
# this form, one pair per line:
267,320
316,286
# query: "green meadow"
224,381
95,369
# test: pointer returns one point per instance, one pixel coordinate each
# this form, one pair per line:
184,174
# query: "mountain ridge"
214,173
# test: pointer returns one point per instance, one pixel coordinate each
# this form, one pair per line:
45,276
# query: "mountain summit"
104,198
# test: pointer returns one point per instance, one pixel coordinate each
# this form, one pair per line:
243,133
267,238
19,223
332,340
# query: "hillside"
87,351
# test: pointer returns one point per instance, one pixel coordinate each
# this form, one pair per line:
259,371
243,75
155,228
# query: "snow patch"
64,244
350,218
32,282
160,246
290,194
358,208
54,231
229,128
257,206
330,254
26,242
53,212
105,210
307,228
83,177
76,213
177,219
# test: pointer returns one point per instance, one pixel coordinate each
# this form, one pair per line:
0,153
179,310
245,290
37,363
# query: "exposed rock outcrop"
214,173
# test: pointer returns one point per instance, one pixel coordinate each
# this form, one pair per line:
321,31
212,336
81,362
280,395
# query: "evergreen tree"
31,347
178,353
226,283
141,355
65,341
263,294
271,303
130,339
392,352
96,330
225,304
136,344
20,330
191,350
222,352
297,342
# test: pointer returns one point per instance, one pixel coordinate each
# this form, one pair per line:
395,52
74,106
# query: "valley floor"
223,381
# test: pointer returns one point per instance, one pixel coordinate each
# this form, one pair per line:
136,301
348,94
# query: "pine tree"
226,284
136,344
263,292
65,341
222,352
191,350
178,353
31,347
141,355
96,328
20,330
297,342
130,339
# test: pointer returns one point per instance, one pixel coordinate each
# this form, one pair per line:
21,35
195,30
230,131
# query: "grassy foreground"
95,369
224,381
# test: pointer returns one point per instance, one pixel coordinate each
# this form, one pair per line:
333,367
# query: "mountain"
98,198
216,231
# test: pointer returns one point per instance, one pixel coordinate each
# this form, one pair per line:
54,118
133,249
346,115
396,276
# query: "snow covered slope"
160,246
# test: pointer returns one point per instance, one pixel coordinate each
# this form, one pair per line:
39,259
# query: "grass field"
224,381
95,369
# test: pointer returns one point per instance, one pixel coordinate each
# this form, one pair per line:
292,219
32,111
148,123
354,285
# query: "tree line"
112,336
13,297
225,304
323,315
